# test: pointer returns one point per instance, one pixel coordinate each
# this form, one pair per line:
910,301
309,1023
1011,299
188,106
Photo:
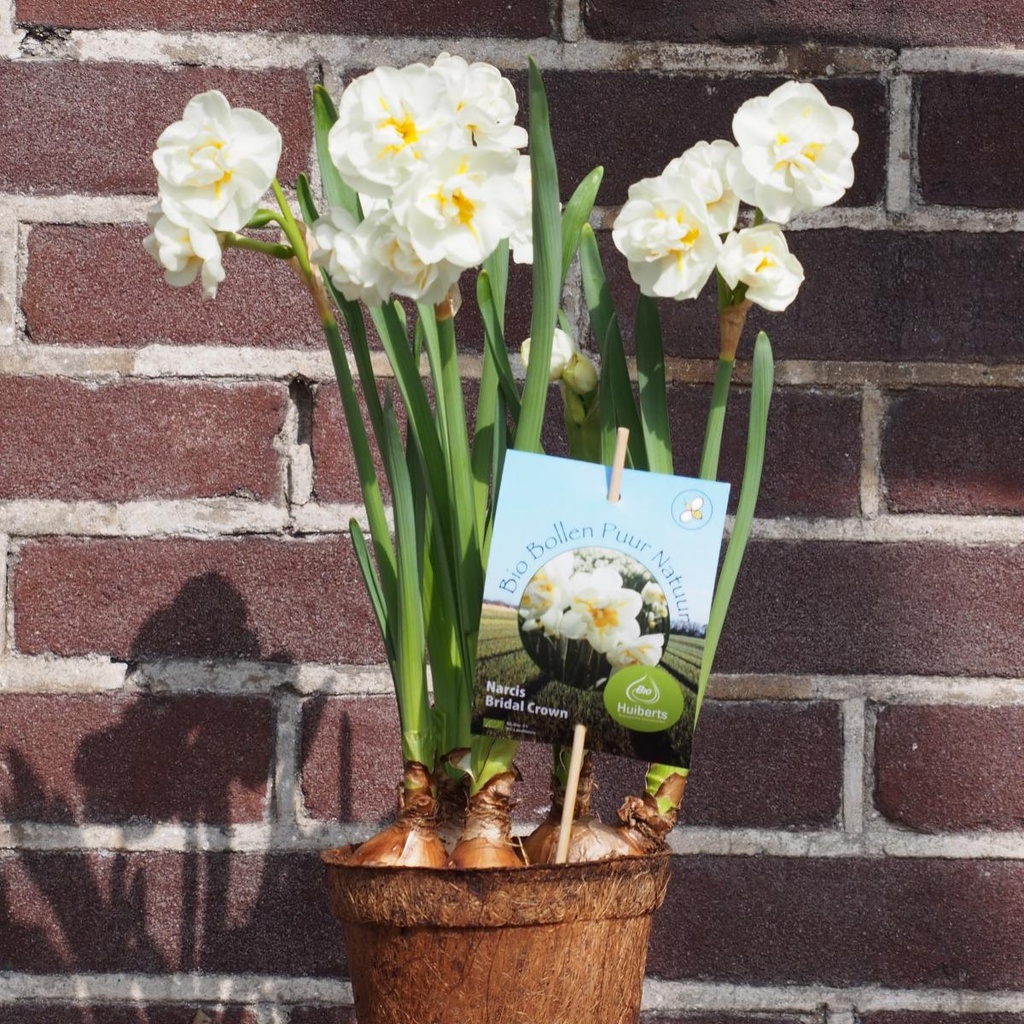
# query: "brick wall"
191,701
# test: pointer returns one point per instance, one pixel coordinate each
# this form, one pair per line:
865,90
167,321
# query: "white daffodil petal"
760,258
216,163
185,251
391,122
668,240
796,151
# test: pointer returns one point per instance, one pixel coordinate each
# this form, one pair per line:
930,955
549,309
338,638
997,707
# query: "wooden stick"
618,464
572,785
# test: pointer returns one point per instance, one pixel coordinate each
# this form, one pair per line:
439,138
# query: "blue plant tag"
596,612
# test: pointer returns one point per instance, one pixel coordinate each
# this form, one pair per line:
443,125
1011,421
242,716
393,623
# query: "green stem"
291,228
716,421
279,252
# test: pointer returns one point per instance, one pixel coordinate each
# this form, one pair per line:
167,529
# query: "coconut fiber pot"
550,944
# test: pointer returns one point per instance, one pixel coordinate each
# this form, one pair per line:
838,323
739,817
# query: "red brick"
920,608
120,442
113,293
25,1012
526,19
110,759
351,758
656,1017
898,923
639,106
812,457
92,127
755,764
869,295
966,133
790,21
336,478
253,598
950,768
323,1015
954,450
762,764
925,1017
157,913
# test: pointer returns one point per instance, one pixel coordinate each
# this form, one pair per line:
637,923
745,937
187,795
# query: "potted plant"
423,179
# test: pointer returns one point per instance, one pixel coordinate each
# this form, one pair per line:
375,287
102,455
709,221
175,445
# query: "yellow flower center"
404,128
604,618
465,207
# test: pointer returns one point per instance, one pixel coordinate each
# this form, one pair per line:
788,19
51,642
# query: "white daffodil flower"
602,610
185,251
654,596
520,238
391,122
705,167
460,206
668,240
392,247
216,163
760,258
795,151
547,595
645,651
344,250
484,102
375,259
563,349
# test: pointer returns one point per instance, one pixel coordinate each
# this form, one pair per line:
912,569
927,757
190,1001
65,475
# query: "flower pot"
548,944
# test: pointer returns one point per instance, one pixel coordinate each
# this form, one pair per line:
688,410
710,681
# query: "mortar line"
10,38
571,20
229,364
659,995
723,996
871,418
215,989
6,604
295,51
853,765
232,519
879,841
899,177
872,819
285,786
8,277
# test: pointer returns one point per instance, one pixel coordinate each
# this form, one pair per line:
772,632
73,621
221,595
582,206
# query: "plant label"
596,612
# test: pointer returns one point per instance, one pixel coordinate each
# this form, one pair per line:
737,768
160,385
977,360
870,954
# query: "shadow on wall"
158,903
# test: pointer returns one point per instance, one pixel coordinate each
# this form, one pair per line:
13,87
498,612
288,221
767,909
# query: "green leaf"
494,342
380,532
618,408
712,447
577,213
336,192
373,588
307,204
496,268
650,375
547,249
410,636
760,399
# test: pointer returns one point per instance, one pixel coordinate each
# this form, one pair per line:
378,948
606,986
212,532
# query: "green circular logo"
644,698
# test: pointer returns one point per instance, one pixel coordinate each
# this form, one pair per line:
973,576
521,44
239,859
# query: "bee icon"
693,510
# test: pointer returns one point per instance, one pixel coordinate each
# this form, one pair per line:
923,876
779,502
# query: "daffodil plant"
423,177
